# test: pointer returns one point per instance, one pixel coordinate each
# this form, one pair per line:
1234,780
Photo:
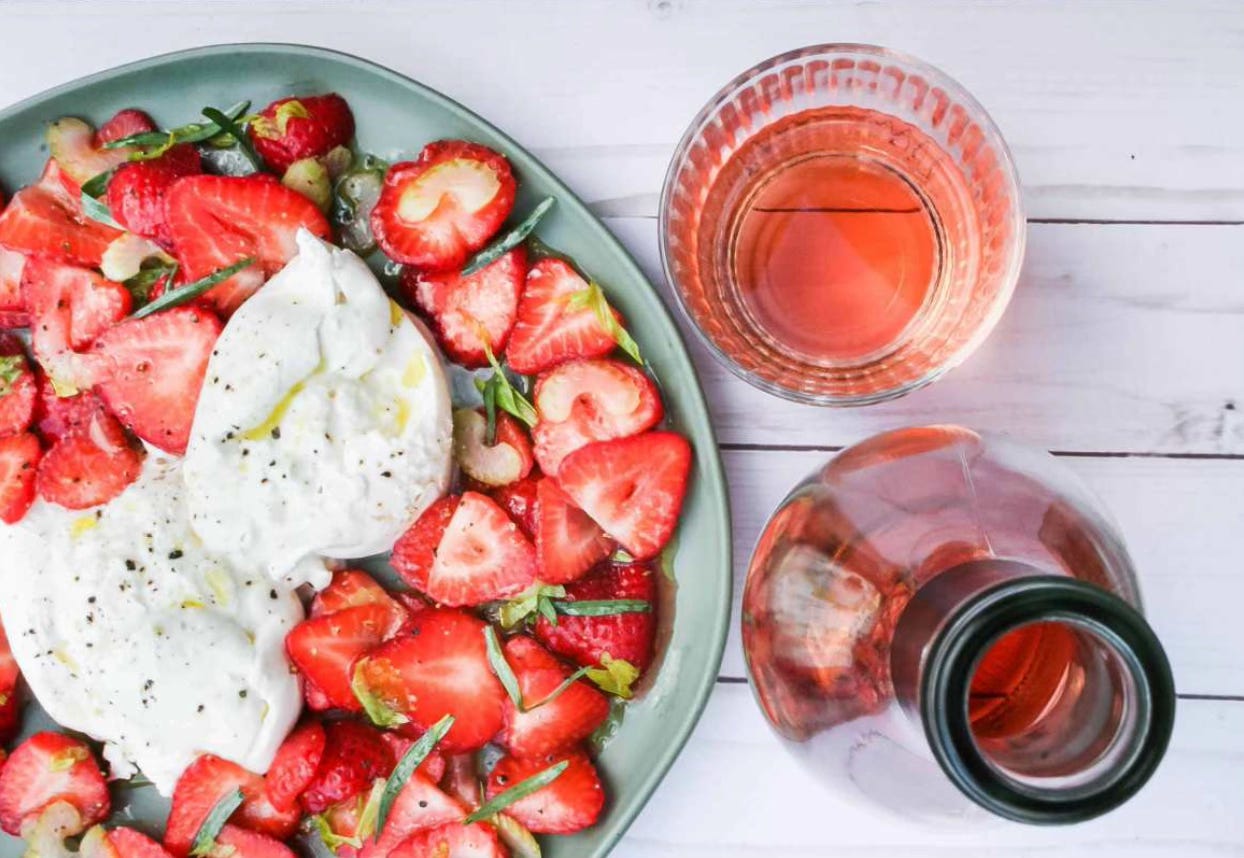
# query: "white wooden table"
1123,349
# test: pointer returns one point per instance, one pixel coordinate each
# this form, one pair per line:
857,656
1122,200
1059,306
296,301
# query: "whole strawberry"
291,129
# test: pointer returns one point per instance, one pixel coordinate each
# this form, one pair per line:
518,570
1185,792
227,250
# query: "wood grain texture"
1110,114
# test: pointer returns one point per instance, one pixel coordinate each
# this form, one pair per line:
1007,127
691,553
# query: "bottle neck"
1044,699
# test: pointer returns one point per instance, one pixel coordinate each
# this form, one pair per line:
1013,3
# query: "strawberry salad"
255,554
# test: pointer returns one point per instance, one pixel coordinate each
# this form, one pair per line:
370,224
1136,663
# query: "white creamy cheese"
324,424
126,628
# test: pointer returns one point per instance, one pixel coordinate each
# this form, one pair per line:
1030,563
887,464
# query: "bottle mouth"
1071,733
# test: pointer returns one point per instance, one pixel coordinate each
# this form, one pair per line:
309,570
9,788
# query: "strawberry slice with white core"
70,308
452,841
152,370
48,768
90,466
436,210
572,802
217,221
465,551
419,806
19,461
507,460
12,303
633,487
549,330
550,723
324,649
568,542
590,400
46,219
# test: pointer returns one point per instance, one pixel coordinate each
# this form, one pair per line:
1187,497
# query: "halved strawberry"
46,768
295,764
590,400
519,501
292,129
548,725
476,555
125,123
19,393
204,783
129,843
570,803
46,219
57,416
325,648
436,210
89,467
507,460
19,463
349,589
625,636
137,191
354,755
10,693
12,302
152,370
70,307
236,842
548,331
440,668
420,806
216,221
568,542
433,765
469,313
79,151
452,840
633,487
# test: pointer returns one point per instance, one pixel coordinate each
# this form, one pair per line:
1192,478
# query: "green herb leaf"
98,211
537,598
331,839
153,144
518,792
182,294
508,397
490,410
380,713
665,562
501,667
11,367
559,690
622,556
97,185
151,273
603,607
509,241
593,298
205,839
229,125
406,766
614,676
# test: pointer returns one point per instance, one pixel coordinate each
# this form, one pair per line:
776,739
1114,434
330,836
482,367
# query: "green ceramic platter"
396,116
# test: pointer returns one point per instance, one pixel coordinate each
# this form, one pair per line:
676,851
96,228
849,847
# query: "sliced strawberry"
79,151
204,783
292,129
19,463
568,542
441,668
295,764
548,331
480,555
153,369
46,219
12,302
70,308
420,806
433,765
461,780
325,648
126,123
19,391
633,487
354,755
570,803
453,840
58,416
216,221
10,693
436,210
236,842
469,313
507,460
349,589
590,400
519,500
129,843
550,724
137,191
625,636
89,467
46,768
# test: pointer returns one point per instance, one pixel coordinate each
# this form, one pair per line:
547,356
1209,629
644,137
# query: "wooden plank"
1121,338
1181,520
735,792
1132,126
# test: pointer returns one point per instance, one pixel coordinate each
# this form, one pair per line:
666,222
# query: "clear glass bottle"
935,609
